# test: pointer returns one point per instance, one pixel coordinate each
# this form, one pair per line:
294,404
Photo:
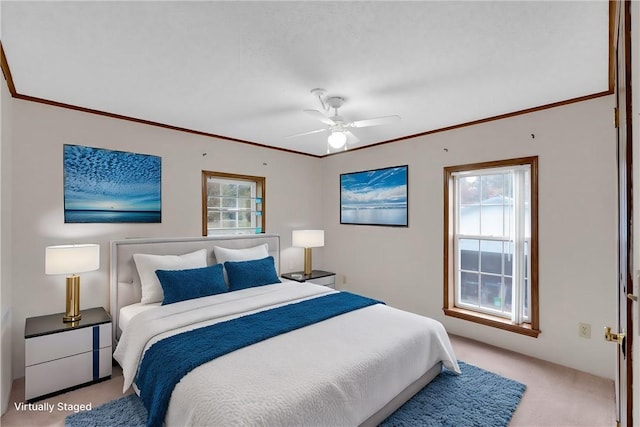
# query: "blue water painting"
375,197
107,186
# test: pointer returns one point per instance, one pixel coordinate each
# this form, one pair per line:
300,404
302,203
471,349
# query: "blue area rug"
476,398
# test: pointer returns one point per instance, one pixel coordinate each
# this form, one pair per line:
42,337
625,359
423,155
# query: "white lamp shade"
337,139
307,238
70,259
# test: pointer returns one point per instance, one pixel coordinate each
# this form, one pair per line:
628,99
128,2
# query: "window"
232,204
491,244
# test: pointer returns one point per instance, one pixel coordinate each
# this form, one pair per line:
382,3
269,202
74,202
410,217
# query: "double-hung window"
491,258
232,204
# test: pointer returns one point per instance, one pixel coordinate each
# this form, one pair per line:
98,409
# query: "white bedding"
334,373
127,312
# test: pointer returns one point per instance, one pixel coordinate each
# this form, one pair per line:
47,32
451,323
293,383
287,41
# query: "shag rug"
476,398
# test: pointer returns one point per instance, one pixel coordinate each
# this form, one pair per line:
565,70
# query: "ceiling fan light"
337,139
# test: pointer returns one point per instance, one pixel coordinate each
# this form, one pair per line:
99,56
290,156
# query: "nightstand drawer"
329,281
63,344
59,374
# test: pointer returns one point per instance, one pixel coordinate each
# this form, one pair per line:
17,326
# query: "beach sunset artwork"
107,186
375,197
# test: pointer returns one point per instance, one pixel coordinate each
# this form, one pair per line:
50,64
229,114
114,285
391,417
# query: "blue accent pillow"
181,285
248,274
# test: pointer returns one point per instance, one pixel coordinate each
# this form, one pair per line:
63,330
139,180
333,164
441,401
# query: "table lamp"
72,259
307,239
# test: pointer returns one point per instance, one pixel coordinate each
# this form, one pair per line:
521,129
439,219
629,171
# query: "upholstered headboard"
124,282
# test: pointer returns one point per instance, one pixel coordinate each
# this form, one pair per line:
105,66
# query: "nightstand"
61,356
318,277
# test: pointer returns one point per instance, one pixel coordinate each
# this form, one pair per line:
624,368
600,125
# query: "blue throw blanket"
188,350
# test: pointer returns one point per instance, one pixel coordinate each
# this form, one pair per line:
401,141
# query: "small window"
491,259
232,204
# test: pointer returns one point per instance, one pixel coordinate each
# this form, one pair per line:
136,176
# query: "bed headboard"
124,282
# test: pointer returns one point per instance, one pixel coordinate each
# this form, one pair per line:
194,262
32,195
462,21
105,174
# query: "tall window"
491,259
232,204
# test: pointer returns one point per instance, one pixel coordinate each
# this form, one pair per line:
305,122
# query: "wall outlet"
344,279
584,330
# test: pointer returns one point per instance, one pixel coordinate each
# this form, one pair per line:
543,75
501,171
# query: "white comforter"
334,373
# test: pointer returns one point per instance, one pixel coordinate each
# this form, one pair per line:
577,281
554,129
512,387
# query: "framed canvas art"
375,197
107,186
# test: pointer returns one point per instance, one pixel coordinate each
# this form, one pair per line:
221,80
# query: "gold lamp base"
73,300
307,261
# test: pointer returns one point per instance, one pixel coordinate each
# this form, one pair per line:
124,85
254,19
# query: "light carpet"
476,398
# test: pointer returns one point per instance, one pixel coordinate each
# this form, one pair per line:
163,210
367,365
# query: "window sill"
493,321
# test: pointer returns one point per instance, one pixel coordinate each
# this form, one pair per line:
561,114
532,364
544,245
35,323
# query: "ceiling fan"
338,128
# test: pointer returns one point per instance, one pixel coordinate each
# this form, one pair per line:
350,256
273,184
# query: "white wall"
6,376
39,132
577,227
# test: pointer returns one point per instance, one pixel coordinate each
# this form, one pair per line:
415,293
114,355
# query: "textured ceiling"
244,70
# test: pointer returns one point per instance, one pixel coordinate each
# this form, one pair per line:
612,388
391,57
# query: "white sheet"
337,372
128,311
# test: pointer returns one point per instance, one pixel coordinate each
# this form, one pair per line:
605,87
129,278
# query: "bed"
351,362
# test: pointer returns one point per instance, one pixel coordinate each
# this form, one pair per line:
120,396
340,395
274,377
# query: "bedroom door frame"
622,91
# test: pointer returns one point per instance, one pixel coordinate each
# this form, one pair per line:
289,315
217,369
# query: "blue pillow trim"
182,285
249,274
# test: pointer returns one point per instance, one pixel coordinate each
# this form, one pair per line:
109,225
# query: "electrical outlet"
584,330
344,279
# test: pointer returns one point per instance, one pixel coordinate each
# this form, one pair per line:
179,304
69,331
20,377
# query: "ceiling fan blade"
375,121
351,138
319,116
305,133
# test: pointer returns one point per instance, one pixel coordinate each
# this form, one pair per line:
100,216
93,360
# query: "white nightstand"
318,277
61,356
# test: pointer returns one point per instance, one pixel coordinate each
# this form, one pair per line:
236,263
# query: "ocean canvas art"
375,197
107,186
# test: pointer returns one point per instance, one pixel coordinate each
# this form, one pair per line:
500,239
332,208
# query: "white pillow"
148,264
247,254
225,254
